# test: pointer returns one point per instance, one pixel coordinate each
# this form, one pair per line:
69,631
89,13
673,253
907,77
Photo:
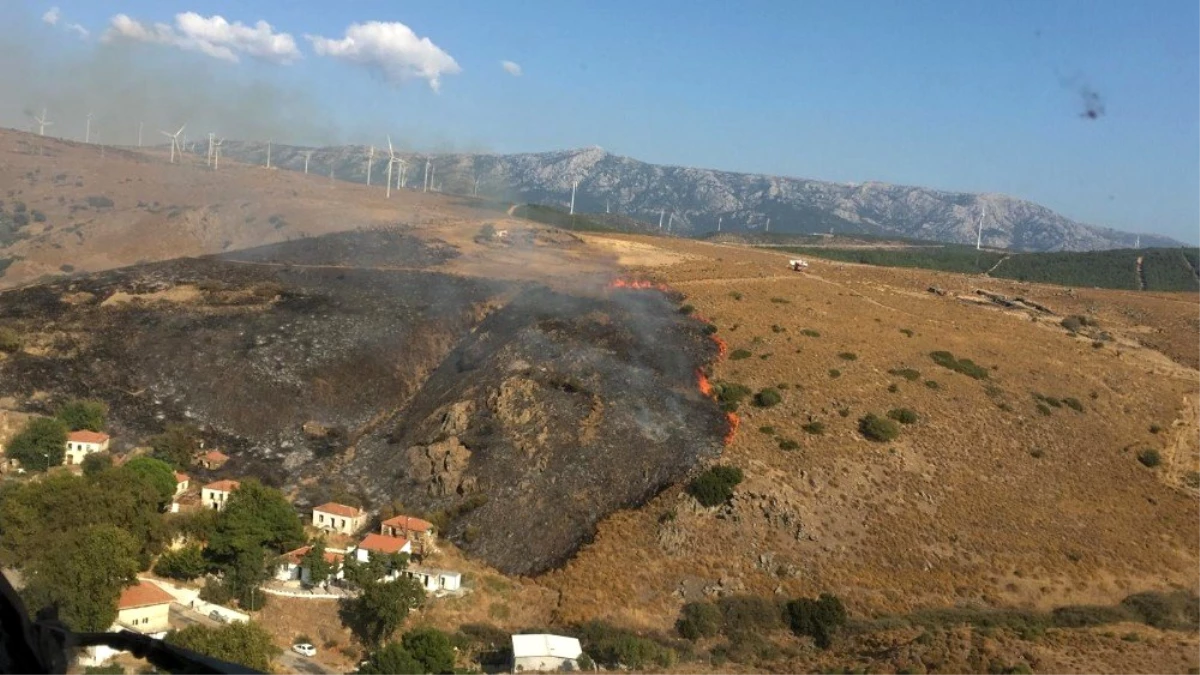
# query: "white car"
305,649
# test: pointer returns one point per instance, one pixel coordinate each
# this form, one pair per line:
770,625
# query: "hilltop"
699,198
509,380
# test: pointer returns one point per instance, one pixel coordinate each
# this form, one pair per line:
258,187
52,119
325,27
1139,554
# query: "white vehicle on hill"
798,264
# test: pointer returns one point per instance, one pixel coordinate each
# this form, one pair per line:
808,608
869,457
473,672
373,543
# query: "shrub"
848,356
715,486
10,340
99,202
739,354
730,394
86,414
788,444
217,592
909,374
907,332
699,619
1154,428
903,415
750,613
768,397
38,216
1176,610
20,219
770,431
1073,404
687,309
610,646
815,428
965,366
709,329
932,384
1037,453
834,373
781,301
776,328
735,295
819,619
844,412
893,388
810,333
878,429
1149,458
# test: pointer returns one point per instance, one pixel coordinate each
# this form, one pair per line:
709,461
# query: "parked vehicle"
217,616
304,649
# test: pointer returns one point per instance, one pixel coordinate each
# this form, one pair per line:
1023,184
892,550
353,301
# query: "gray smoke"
124,84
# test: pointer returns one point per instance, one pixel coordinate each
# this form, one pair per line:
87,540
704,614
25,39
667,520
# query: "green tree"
255,516
40,445
319,569
380,608
33,514
177,445
392,658
878,429
245,573
157,472
96,462
818,619
715,486
432,648
243,642
83,414
183,564
82,574
132,502
699,619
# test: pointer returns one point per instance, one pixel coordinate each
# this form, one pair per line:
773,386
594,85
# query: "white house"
544,652
143,608
434,580
291,567
216,495
333,517
182,481
80,444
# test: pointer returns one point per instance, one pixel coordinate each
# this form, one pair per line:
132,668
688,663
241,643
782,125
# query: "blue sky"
974,96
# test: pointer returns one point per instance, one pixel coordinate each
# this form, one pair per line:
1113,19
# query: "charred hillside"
508,409
556,411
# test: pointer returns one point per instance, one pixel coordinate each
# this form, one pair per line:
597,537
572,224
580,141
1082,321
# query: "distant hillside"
693,201
1156,269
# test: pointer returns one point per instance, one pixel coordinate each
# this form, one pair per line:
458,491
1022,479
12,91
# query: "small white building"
182,481
378,543
80,444
291,565
420,532
145,608
334,517
216,495
544,652
434,580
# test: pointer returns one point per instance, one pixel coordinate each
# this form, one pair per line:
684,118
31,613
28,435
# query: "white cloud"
214,36
79,30
511,67
390,49
51,16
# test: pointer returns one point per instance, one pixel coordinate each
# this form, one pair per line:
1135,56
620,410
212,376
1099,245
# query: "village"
347,551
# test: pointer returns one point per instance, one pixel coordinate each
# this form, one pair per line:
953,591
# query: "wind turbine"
42,123
425,188
475,190
432,176
307,155
661,214
574,186
217,153
87,134
719,219
371,160
209,157
174,141
768,225
670,222
268,153
979,231
391,161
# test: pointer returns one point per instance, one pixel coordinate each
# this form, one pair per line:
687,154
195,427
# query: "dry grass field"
1022,489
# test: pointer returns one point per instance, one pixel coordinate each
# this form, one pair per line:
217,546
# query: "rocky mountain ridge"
692,201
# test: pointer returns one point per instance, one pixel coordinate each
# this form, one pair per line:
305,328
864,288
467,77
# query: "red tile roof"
296,556
143,594
408,524
87,436
215,456
382,543
223,485
181,477
339,510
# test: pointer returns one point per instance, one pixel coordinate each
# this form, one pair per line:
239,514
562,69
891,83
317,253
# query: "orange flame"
734,421
722,346
702,382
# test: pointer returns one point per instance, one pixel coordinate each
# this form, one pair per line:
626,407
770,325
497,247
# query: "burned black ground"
541,411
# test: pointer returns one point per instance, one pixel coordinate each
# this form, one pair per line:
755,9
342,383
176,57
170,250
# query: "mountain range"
692,201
